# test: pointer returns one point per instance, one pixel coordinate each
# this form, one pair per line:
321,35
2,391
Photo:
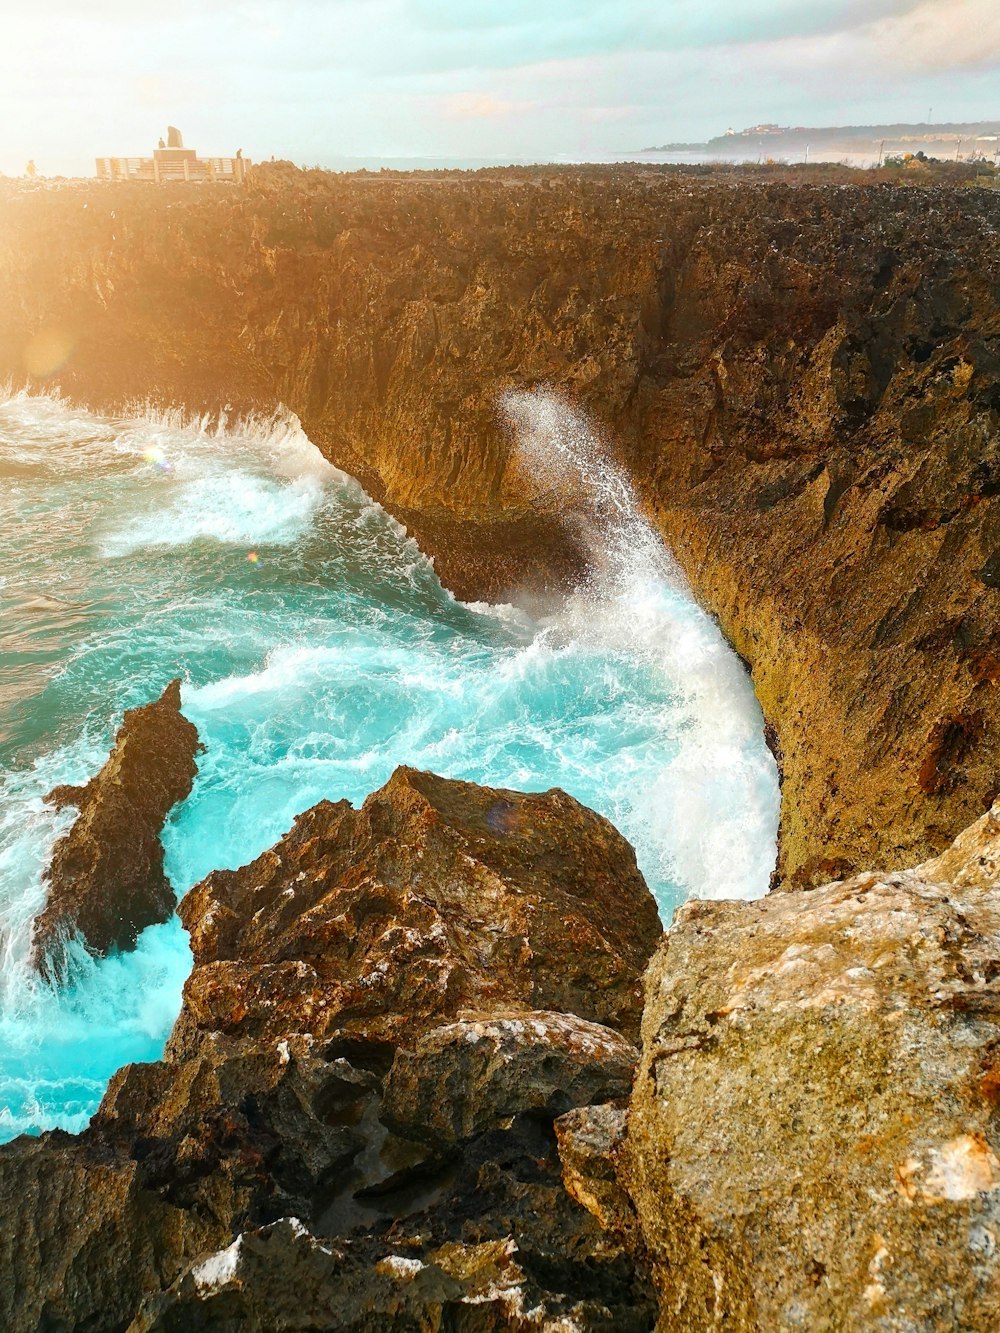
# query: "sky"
318,80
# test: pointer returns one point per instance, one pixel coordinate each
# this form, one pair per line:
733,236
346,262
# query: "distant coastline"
855,143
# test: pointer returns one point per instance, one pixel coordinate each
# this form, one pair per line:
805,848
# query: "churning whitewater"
318,651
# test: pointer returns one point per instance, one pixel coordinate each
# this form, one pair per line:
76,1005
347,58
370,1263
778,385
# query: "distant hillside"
941,139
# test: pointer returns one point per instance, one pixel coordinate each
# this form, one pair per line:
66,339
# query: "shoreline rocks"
106,882
353,1125
403,1093
801,379
434,897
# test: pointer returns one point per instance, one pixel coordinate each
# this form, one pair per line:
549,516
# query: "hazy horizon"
319,81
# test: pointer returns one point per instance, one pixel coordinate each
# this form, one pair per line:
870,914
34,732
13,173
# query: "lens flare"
253,557
154,454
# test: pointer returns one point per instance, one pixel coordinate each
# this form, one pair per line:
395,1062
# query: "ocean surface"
318,650
739,151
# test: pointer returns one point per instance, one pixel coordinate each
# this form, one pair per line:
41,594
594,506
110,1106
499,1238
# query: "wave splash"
210,484
715,802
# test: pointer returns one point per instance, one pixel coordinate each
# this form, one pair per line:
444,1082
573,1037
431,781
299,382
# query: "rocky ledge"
407,1090
106,882
393,1017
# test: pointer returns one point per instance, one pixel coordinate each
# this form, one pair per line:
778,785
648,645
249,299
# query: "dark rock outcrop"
106,879
334,1141
353,1124
803,379
814,1139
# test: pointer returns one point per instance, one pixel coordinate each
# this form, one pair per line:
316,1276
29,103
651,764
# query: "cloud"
414,37
434,36
482,106
939,34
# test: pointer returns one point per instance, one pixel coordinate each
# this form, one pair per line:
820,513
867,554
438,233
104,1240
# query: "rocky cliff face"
822,450
353,1126
396,1094
803,380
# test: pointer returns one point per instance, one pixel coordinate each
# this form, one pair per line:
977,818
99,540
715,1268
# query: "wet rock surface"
106,882
353,1124
813,1140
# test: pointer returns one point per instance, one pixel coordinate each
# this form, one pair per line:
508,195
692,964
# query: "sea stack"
106,879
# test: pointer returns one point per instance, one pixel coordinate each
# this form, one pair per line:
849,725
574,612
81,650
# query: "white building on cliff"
171,161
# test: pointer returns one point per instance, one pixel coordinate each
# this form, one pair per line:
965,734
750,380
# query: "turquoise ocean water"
318,650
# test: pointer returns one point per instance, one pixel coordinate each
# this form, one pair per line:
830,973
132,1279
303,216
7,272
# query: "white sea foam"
715,802
232,507
259,483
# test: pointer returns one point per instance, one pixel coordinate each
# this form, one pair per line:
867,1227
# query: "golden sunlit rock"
812,1125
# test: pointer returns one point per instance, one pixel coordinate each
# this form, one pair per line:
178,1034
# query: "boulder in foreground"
435,897
814,1135
106,879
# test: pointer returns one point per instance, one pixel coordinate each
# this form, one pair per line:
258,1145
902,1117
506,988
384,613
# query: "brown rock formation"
292,1160
813,1139
804,381
472,1075
433,898
591,1140
366,1119
106,880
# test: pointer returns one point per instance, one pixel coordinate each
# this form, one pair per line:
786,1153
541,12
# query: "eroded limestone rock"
476,1073
814,1133
106,879
328,976
283,1276
434,897
590,1140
